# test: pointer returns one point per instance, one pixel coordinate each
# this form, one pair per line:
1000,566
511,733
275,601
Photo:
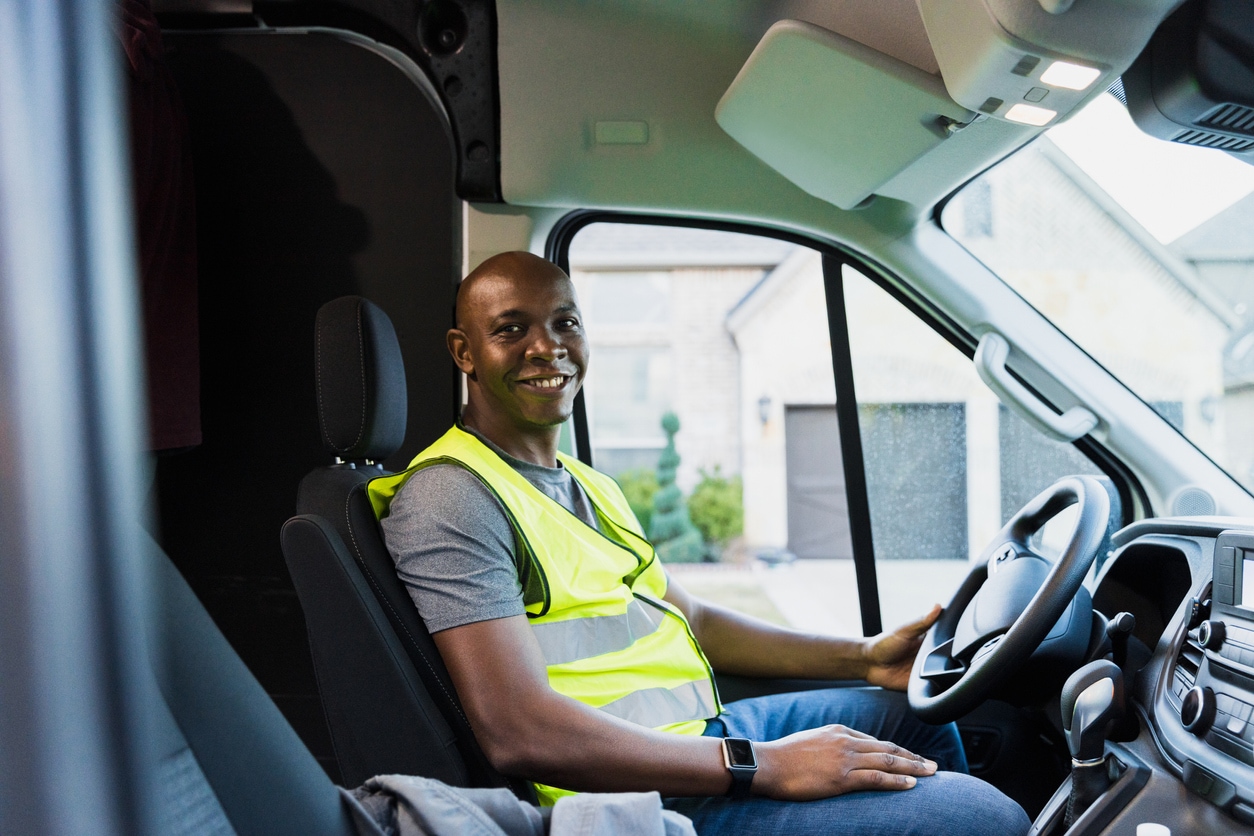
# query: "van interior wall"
321,169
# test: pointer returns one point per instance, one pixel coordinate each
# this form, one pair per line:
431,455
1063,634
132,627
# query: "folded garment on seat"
407,805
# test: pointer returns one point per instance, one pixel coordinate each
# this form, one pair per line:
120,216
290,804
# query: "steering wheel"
1013,605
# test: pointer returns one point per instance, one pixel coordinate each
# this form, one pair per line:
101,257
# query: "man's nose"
548,345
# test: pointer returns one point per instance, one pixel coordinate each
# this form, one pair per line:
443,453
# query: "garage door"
818,511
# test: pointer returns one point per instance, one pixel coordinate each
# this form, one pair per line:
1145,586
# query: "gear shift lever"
1092,702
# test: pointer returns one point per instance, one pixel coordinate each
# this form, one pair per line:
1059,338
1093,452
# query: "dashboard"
1186,582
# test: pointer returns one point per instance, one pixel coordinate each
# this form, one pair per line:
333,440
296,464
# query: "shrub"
639,486
717,507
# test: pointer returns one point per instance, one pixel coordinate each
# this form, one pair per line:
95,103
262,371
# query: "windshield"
1142,251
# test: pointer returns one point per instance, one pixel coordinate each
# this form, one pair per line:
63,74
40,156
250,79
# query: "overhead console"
1035,61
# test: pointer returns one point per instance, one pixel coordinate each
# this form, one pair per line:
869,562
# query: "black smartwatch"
741,763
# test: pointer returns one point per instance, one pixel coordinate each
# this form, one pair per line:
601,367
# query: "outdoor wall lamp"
764,409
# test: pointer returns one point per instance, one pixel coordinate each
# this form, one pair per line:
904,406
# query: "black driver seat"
388,698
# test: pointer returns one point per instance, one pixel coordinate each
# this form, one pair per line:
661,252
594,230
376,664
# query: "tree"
674,536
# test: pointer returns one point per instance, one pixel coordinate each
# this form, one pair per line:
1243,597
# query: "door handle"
990,362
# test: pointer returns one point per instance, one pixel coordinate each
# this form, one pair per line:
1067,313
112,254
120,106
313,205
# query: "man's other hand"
890,655
834,760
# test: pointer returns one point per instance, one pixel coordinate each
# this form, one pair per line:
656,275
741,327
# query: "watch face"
739,752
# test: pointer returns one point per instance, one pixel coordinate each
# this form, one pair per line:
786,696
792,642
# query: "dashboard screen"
1247,584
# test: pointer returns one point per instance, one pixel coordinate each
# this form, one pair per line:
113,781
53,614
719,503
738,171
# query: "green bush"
717,507
639,486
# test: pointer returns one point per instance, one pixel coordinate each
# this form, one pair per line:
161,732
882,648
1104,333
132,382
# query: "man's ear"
459,347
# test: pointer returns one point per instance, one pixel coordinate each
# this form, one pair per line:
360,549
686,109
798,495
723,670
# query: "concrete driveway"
821,595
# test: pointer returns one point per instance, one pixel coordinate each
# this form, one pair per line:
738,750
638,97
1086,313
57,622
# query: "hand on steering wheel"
890,655
1012,603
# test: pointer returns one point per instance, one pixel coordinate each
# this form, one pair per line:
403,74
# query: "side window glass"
724,336
946,463
711,398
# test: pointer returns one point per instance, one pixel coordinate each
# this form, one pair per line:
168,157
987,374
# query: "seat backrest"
358,658
389,701
227,759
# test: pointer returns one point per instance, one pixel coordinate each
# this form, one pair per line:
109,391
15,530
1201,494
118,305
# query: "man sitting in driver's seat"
583,667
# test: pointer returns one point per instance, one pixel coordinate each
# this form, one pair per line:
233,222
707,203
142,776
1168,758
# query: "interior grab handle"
990,362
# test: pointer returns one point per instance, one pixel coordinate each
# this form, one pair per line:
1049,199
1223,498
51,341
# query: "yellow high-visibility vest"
593,598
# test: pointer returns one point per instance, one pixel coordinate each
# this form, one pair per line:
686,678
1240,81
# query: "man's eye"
509,329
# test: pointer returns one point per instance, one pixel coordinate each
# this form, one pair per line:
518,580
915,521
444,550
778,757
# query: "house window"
620,298
628,394
916,466
1029,461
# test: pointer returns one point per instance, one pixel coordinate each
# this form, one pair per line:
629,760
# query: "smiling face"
519,339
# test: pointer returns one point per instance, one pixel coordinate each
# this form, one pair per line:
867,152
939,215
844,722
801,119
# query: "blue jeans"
950,802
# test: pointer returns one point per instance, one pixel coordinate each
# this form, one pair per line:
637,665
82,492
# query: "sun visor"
835,117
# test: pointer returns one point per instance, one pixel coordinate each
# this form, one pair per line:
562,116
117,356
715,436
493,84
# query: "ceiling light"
1071,76
1030,115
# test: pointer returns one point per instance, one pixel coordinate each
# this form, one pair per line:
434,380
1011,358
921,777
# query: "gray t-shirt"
453,545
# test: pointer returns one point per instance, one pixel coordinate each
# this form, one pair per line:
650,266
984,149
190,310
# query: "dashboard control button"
1197,710
1240,634
1211,634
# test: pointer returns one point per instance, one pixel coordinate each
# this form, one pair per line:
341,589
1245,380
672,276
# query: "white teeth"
549,382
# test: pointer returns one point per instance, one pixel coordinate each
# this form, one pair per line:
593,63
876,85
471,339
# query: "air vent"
1116,89
1192,502
1206,139
1188,663
1230,118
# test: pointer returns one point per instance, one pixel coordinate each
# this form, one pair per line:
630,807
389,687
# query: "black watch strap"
742,763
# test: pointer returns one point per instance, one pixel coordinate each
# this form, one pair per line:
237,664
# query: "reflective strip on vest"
653,707
583,638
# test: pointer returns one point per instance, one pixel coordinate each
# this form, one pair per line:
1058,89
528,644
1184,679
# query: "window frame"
834,258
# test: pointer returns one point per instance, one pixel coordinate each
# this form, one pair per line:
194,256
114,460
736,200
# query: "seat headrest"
360,379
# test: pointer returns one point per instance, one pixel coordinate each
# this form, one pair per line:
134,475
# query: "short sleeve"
454,549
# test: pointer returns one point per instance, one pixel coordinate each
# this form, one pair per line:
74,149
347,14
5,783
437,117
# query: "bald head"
519,341
513,269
